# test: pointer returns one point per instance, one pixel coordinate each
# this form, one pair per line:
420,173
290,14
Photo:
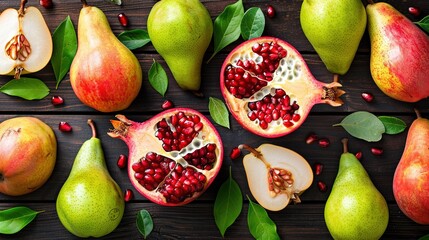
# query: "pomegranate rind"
140,139
290,78
276,157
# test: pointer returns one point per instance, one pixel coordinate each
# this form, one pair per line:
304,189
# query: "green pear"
335,29
355,209
90,203
181,31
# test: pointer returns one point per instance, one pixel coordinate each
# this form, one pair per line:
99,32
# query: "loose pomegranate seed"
312,137
358,155
128,195
65,127
377,151
122,161
57,100
123,19
415,11
324,142
46,3
318,167
235,153
167,104
322,186
271,12
368,97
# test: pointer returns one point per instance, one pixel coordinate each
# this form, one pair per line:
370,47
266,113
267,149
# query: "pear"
104,74
181,31
90,203
335,29
399,54
355,209
411,178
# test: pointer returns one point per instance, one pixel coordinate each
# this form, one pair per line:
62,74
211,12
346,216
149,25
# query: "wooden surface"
195,220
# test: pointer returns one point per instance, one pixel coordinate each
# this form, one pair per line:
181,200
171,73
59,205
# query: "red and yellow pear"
411,179
399,54
104,74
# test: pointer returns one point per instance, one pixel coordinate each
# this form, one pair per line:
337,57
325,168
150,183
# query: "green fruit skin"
90,203
181,31
335,29
355,209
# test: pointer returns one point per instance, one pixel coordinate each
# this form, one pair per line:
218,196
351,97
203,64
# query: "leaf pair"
366,126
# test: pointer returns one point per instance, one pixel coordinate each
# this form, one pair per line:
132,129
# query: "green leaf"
226,27
158,78
363,125
117,2
27,88
393,125
228,204
218,112
260,224
134,39
425,237
253,23
64,48
424,23
14,219
144,223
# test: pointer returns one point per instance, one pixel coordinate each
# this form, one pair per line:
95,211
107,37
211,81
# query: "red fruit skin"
411,178
104,75
398,65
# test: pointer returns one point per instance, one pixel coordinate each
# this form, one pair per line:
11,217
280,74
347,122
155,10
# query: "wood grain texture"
195,220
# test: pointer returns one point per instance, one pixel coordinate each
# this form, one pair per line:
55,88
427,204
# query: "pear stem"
370,2
345,148
336,77
85,4
417,113
91,124
255,153
22,7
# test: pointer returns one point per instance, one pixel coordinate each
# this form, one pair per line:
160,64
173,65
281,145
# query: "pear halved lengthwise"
399,54
104,74
25,41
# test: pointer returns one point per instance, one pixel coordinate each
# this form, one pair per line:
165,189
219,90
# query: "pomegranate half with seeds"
269,89
173,157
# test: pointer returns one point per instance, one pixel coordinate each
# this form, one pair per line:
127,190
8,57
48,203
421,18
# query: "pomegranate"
173,157
269,89
276,175
28,151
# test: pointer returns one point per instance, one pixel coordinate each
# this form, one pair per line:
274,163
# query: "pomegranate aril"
318,167
167,104
324,142
415,11
358,155
46,3
128,195
123,19
368,97
271,11
65,127
311,138
235,153
122,161
57,100
377,151
322,186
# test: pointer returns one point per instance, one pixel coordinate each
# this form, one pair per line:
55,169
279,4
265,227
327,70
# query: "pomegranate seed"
128,195
235,153
123,19
65,127
324,142
122,161
358,155
322,186
167,104
46,3
311,138
415,11
377,151
271,12
368,97
57,100
318,168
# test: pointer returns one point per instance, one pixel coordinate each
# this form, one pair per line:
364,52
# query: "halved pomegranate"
269,89
173,157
